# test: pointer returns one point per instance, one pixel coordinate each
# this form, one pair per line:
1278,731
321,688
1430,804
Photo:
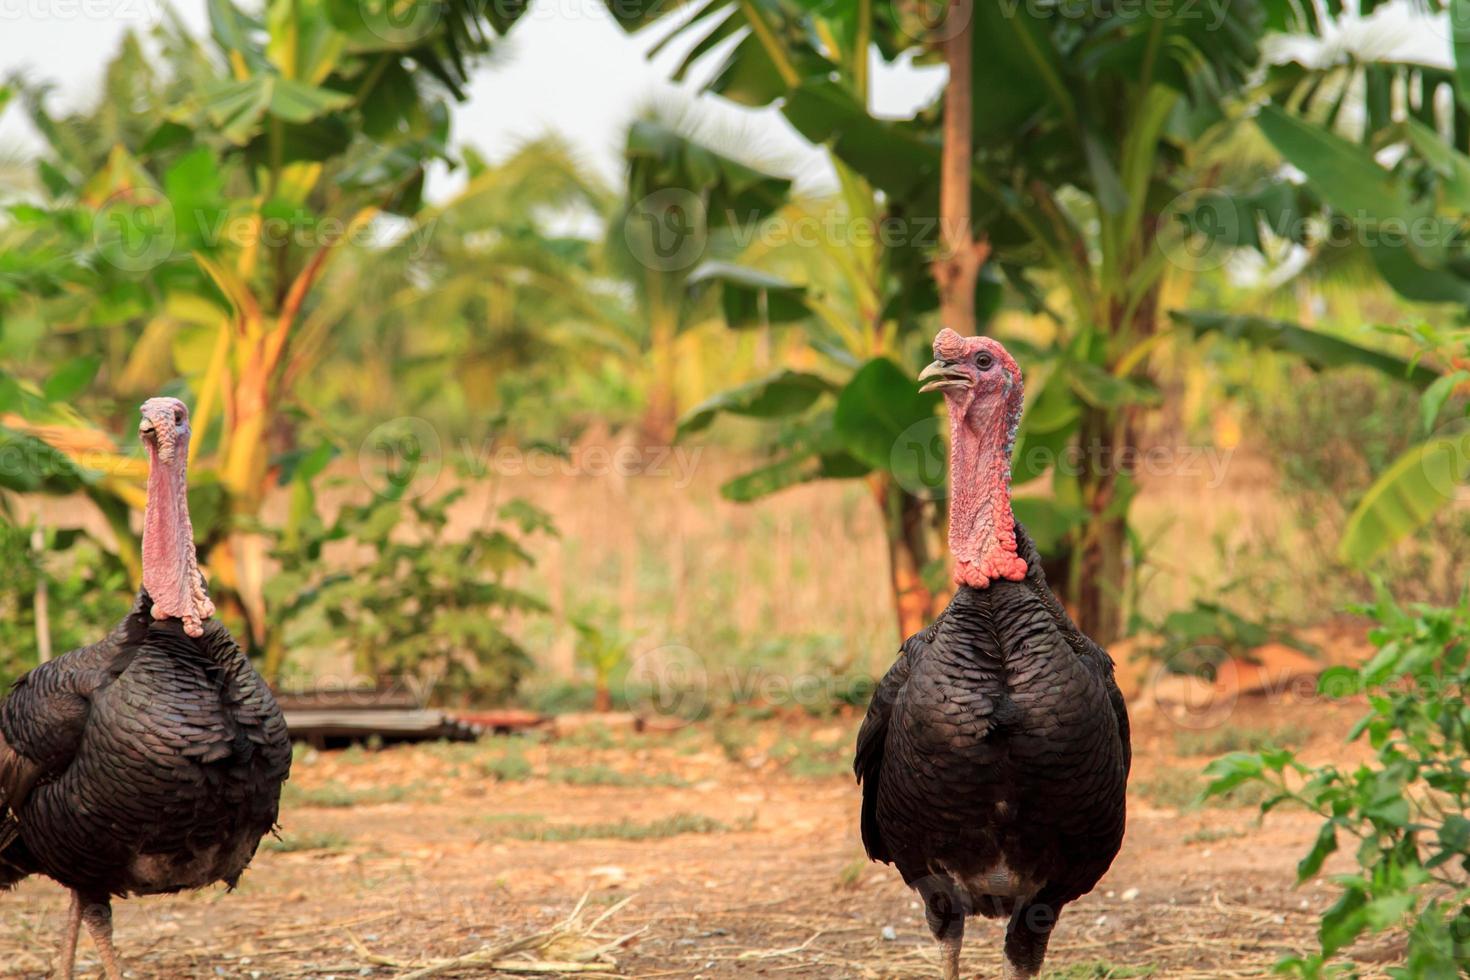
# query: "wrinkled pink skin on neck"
170,565
983,419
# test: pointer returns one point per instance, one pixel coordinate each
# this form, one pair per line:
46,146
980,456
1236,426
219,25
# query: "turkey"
152,761
994,756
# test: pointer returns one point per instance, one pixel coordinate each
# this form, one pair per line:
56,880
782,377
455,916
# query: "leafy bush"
89,592
424,604
1406,808
1202,636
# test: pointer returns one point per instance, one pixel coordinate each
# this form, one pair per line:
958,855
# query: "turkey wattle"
994,756
152,761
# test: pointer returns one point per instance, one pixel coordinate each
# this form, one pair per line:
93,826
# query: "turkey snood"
170,566
982,389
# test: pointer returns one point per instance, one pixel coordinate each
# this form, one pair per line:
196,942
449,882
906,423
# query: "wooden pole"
43,597
957,269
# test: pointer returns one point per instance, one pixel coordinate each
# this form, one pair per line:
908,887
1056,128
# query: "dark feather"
995,753
149,762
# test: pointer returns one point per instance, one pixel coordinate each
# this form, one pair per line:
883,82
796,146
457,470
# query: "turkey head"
983,392
170,565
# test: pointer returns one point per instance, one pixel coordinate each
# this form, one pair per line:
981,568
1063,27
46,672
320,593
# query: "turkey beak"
148,433
943,374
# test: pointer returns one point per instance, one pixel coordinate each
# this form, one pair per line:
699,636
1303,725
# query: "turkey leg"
946,918
98,918
66,965
1026,938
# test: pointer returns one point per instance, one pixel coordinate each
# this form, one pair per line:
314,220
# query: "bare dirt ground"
737,846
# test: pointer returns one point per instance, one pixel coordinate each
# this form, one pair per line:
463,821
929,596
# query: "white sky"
565,68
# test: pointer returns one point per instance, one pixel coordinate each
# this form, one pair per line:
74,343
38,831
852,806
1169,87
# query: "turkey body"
147,763
994,761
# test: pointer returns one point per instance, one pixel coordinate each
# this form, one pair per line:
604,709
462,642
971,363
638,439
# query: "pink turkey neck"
982,527
170,566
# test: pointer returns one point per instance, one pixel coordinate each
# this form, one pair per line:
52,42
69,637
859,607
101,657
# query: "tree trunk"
957,269
1099,566
662,413
904,528
1108,440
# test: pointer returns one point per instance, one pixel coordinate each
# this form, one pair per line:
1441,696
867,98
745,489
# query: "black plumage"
148,763
994,760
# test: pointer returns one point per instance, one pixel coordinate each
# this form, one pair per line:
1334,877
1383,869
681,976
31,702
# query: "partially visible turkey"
994,756
152,761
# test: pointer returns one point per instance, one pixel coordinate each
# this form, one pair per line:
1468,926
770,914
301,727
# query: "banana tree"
683,200
1085,126
207,232
1384,147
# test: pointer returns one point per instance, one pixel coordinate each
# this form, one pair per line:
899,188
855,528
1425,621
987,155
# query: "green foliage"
1206,633
426,603
1405,808
294,843
88,591
1424,479
1228,738
672,826
605,652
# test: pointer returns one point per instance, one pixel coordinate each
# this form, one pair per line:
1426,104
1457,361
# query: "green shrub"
427,604
89,593
1405,809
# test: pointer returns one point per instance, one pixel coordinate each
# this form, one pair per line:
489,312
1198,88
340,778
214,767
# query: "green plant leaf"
1325,844
880,409
71,378
1434,397
750,297
1344,921
1406,496
774,396
1320,350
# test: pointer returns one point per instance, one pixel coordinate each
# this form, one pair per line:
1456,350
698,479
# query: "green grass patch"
335,795
1218,741
297,843
679,823
1209,835
599,775
1183,789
